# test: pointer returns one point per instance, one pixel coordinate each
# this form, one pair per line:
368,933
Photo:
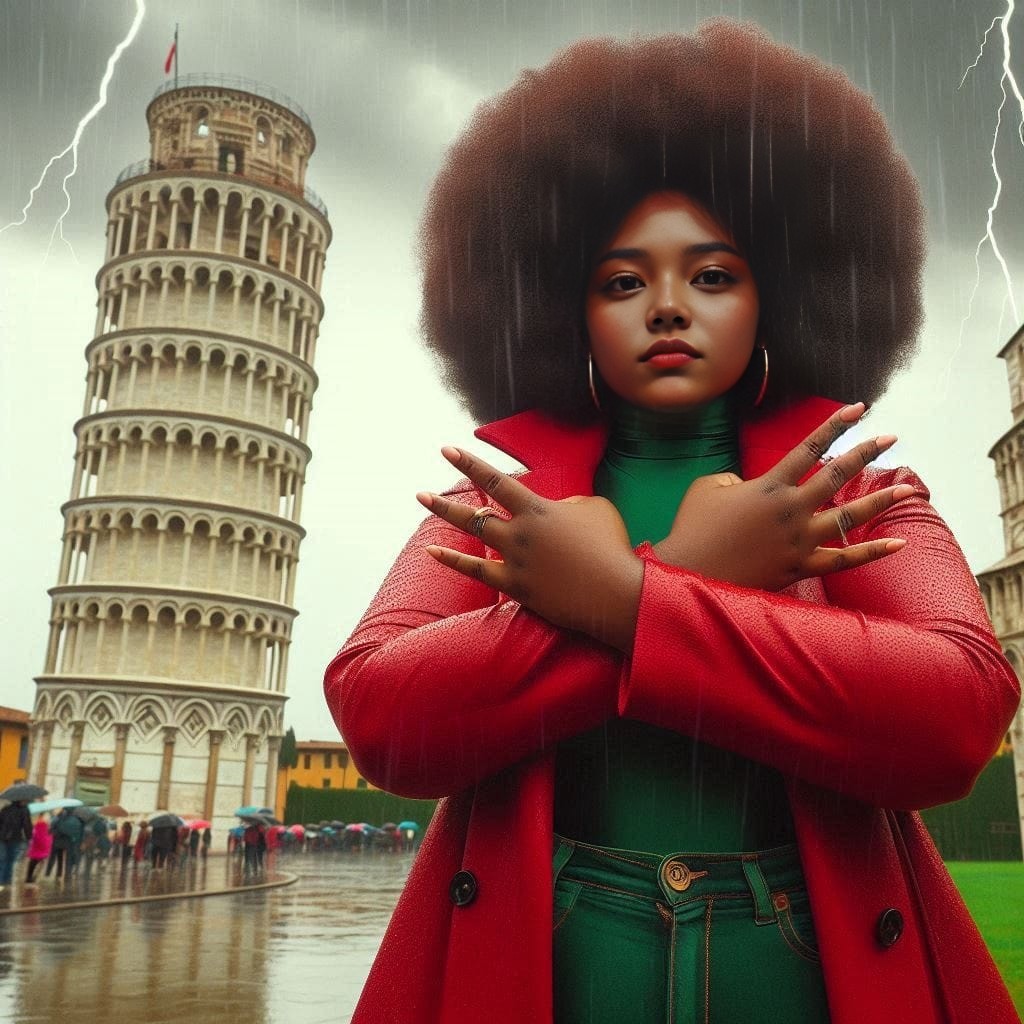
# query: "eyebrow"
698,249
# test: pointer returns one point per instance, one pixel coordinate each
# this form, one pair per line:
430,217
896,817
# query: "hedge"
307,804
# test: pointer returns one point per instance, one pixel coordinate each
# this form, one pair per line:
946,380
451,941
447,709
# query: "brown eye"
713,277
624,283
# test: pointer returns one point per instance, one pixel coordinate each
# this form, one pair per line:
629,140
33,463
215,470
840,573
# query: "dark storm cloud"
357,68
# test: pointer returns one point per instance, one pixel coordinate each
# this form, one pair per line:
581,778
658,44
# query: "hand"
767,533
569,561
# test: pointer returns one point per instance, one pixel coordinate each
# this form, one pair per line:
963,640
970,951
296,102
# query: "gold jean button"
678,876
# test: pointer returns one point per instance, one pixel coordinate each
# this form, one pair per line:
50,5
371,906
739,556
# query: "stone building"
172,615
1002,584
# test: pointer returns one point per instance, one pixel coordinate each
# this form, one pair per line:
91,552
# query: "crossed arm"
896,695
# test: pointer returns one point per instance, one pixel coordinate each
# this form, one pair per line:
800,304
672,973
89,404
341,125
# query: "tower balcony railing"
206,164
238,83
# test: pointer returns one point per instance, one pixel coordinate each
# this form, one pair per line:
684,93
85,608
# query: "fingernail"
850,412
453,455
425,499
903,491
894,545
885,440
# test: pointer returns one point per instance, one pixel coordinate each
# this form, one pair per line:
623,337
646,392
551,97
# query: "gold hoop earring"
590,381
764,383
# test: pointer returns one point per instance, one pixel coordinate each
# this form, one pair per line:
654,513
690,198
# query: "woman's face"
671,306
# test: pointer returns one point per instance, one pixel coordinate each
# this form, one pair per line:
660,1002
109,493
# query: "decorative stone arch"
140,612
217,617
236,723
148,714
194,718
191,615
265,724
43,705
67,709
101,712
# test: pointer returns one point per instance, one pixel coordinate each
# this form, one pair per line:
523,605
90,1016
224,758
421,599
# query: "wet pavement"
291,953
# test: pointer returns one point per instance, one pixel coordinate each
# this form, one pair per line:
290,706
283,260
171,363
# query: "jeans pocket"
566,894
793,916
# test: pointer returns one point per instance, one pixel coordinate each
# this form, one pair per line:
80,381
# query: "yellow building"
322,764
13,746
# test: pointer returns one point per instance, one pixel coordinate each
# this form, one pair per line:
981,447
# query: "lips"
670,346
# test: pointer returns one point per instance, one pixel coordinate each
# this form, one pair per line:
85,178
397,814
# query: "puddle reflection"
300,952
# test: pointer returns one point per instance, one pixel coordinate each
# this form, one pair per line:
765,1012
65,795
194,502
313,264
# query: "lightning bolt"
72,146
1007,77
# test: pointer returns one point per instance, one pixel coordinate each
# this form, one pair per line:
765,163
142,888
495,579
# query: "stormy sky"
387,86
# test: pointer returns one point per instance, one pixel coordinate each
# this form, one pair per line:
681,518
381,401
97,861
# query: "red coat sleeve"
896,695
443,683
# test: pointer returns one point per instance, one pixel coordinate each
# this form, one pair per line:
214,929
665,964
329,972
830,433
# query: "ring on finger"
842,532
480,516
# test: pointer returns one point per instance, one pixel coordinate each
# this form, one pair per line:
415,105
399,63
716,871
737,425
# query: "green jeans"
722,938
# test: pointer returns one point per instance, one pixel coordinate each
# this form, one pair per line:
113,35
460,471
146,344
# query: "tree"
288,756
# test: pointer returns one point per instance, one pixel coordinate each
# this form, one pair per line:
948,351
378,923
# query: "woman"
681,739
38,848
141,852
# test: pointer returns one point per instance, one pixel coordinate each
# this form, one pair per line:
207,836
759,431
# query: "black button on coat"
463,888
889,927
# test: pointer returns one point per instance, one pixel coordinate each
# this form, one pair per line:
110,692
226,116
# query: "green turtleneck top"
628,784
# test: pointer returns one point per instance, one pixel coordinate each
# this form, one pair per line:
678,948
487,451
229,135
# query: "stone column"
117,775
46,728
252,742
77,731
216,738
163,789
273,747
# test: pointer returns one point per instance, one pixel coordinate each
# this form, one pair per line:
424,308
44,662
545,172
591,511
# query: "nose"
668,308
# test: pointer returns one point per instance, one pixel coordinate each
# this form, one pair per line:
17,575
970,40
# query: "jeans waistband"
682,877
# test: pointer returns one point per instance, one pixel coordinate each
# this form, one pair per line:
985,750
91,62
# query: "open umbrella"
23,791
403,825
198,823
84,813
115,811
252,810
41,806
297,830
166,820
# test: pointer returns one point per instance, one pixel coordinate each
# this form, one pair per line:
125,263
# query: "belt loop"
764,911
563,851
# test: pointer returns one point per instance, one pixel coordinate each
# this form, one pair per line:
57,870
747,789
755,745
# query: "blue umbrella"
55,804
403,825
252,811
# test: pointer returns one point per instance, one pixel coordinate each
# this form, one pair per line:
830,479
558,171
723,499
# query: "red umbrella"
296,830
198,823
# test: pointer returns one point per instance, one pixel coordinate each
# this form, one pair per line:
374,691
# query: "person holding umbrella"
141,842
124,841
67,831
38,848
15,832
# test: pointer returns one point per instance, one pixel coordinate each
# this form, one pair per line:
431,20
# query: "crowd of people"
63,842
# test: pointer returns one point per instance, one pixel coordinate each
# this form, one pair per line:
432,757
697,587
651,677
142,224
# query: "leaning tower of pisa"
172,615
1002,585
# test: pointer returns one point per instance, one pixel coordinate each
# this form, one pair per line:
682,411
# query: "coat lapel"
561,459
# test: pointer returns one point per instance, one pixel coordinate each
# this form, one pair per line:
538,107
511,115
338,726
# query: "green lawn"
994,893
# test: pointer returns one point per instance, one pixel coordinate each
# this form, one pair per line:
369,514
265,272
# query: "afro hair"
786,152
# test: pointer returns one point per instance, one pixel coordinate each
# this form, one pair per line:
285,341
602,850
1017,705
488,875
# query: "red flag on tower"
171,54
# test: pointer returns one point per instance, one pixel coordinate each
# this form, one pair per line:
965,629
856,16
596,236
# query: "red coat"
876,692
